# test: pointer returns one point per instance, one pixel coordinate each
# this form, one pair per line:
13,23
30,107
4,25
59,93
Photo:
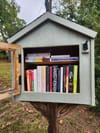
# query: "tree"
67,9
9,21
87,13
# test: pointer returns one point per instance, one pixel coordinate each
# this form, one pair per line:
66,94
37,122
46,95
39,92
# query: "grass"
5,75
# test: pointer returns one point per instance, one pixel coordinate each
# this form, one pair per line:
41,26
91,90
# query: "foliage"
97,74
66,9
9,21
87,13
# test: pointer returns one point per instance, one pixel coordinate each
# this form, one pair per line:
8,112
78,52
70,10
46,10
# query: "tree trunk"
52,119
54,112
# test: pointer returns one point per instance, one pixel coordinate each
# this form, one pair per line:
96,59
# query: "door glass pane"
5,74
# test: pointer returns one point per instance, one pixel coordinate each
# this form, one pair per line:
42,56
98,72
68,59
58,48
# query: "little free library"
52,62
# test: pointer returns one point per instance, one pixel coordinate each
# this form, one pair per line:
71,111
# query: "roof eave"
71,25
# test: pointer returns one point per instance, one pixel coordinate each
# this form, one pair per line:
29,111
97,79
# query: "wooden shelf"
54,63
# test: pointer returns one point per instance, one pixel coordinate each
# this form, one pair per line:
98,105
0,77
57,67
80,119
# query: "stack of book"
37,57
53,78
55,58
43,57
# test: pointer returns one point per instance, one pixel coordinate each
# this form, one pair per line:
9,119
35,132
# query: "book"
58,80
67,74
61,79
55,73
65,59
32,80
39,78
37,57
70,79
35,81
43,78
27,80
75,78
50,79
59,56
64,78
47,78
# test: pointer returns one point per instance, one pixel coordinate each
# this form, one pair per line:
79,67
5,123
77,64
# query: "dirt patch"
22,117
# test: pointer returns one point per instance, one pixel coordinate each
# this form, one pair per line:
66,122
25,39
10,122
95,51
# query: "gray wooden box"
50,30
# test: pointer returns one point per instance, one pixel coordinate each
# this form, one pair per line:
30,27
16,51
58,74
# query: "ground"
22,117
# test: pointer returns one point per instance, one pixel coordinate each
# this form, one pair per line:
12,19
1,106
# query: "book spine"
27,78
58,80
39,77
67,74
47,78
70,86
61,79
32,79
75,78
43,78
50,78
64,78
35,80
55,69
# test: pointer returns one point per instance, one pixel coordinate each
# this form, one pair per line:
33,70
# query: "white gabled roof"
66,23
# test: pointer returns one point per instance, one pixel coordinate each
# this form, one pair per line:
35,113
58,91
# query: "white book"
39,78
59,56
61,79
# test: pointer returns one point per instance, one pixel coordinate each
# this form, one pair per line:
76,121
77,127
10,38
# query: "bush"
3,56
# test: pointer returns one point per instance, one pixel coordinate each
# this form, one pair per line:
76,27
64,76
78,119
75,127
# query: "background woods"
24,118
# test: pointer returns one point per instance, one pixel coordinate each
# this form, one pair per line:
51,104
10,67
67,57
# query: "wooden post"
52,119
53,112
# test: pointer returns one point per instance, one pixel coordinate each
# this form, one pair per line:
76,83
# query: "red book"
67,74
50,78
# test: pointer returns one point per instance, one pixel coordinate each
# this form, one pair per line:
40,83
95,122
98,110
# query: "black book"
58,80
54,82
64,78
70,78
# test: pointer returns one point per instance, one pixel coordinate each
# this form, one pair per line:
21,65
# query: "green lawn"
5,75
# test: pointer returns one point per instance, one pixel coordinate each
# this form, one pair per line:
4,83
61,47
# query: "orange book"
43,78
28,80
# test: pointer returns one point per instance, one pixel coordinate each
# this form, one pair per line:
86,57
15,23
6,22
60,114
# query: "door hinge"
19,58
20,80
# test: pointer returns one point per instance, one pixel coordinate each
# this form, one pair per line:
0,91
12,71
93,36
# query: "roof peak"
66,23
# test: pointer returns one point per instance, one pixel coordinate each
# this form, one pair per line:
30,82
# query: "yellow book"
75,78
38,60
